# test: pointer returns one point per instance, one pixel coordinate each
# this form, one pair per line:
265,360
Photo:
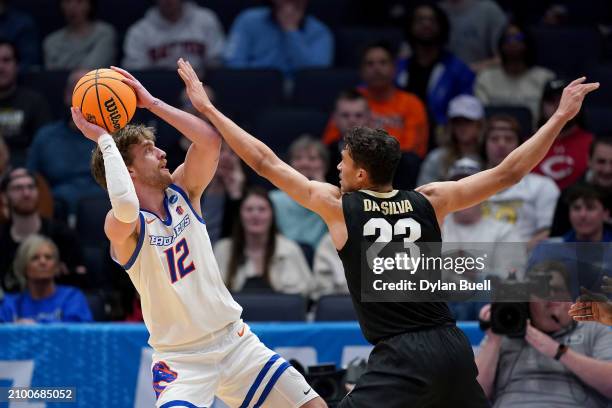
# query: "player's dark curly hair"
375,151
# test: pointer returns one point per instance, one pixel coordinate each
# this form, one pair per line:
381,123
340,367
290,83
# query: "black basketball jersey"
379,320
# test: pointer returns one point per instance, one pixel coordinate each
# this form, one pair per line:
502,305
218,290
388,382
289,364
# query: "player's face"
601,165
351,176
149,165
8,67
350,114
309,162
501,141
76,11
550,315
22,195
587,217
256,215
378,68
43,264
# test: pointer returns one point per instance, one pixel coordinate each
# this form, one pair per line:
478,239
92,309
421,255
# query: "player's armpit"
123,236
198,169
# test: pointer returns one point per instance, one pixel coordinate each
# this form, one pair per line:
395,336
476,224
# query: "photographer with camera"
558,362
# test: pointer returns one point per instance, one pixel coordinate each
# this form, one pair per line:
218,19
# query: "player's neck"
24,225
151,198
41,288
379,189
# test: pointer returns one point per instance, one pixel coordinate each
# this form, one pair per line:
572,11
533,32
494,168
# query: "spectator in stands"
281,36
22,111
529,204
19,29
221,200
351,110
84,42
42,301
431,72
587,215
567,160
400,113
517,81
173,29
70,180
558,362
465,129
5,165
22,195
475,29
309,157
257,257
598,175
329,278
467,230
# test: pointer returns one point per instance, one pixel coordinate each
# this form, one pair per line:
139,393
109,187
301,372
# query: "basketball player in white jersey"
157,232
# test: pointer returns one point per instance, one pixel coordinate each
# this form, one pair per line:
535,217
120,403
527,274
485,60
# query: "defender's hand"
143,98
89,130
573,96
195,90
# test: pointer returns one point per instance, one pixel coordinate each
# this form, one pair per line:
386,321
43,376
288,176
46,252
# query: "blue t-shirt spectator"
258,41
449,77
62,156
67,304
19,28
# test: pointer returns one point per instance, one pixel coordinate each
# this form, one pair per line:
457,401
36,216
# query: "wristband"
561,350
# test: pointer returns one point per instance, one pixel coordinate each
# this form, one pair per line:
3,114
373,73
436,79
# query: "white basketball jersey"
182,294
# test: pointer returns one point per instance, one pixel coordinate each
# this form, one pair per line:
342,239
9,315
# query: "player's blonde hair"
124,138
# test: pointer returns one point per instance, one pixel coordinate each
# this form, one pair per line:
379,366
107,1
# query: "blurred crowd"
460,84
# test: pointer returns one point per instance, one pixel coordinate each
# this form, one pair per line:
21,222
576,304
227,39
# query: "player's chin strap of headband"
118,182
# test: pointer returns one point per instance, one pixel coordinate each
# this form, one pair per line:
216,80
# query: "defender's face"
43,264
256,215
149,165
350,175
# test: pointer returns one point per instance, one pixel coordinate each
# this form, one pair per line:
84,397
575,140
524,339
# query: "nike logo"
307,391
150,221
241,332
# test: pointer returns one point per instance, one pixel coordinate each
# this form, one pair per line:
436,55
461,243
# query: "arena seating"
335,308
274,307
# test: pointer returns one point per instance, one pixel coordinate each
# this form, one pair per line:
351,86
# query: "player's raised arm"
121,221
447,197
203,155
321,198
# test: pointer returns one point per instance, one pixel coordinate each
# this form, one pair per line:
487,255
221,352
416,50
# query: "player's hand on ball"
573,96
90,130
195,90
143,98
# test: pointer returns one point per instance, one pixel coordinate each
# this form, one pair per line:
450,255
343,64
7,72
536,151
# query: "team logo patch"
162,376
179,210
173,199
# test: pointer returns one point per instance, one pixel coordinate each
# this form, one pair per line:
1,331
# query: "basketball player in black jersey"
420,358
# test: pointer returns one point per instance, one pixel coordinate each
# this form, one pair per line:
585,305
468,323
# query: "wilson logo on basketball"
114,115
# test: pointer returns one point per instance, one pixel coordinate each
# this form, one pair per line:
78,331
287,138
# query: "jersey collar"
377,194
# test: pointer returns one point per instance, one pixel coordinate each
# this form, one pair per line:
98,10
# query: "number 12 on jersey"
176,257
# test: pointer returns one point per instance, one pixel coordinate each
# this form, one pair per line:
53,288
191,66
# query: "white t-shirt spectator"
154,42
529,204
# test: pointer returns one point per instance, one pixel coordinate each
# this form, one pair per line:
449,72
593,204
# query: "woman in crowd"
41,300
257,257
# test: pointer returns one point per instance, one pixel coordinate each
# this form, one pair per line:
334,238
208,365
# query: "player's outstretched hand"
144,99
89,130
573,95
195,90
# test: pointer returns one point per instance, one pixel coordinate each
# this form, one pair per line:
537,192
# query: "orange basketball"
104,99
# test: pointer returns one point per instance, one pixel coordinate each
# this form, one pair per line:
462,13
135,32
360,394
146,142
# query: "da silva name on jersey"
387,207
165,240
